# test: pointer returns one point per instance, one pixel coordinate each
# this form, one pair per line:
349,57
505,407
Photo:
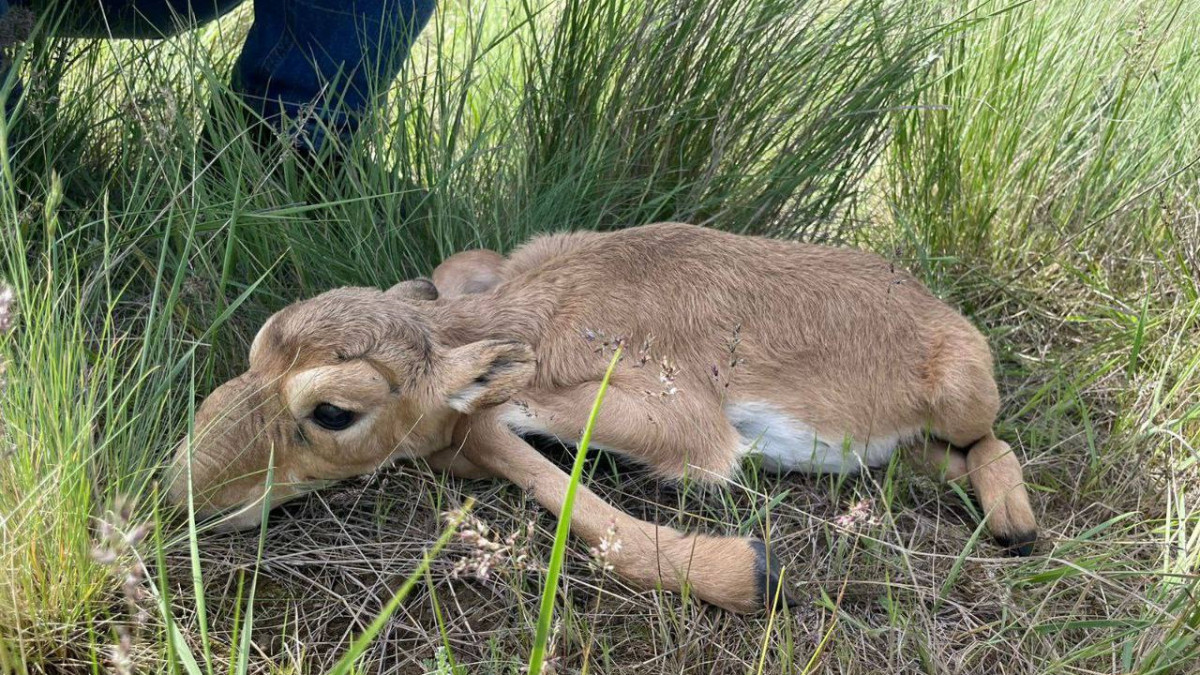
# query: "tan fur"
468,272
836,339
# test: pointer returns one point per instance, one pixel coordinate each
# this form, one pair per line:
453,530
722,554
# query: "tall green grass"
1046,177
1044,125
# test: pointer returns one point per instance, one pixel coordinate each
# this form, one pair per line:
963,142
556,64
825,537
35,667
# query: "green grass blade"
359,645
537,655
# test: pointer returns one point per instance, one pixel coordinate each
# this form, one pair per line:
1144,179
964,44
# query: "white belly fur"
784,443
787,444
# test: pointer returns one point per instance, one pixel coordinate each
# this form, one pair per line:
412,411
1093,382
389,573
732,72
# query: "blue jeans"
303,60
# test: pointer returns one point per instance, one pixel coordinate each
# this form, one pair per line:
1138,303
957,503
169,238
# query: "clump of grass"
719,113
1043,127
1038,180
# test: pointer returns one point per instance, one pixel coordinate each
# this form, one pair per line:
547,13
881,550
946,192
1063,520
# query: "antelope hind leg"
999,484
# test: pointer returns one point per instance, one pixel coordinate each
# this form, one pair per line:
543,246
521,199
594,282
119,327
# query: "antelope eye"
331,417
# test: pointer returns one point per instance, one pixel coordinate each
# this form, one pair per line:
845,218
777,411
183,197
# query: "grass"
1034,163
537,655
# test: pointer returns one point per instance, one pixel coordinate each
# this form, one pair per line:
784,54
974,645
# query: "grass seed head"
117,540
8,307
487,552
861,513
609,546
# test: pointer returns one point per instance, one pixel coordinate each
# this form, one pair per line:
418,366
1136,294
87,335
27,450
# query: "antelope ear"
485,373
414,289
468,273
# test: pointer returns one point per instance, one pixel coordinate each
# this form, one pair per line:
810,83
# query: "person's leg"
14,28
312,66
135,19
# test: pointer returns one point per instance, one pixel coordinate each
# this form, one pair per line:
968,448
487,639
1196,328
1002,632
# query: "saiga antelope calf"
819,359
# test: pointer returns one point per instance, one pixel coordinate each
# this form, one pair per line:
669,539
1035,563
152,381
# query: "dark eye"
331,417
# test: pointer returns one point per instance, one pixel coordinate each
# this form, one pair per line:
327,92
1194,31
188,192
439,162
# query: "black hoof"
766,571
1020,544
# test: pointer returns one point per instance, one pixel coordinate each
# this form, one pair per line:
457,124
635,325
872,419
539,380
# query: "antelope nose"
177,495
176,477
177,489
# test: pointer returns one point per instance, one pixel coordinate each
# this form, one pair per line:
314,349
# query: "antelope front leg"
731,572
682,435
453,462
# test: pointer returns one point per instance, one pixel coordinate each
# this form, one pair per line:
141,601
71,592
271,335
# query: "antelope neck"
490,316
